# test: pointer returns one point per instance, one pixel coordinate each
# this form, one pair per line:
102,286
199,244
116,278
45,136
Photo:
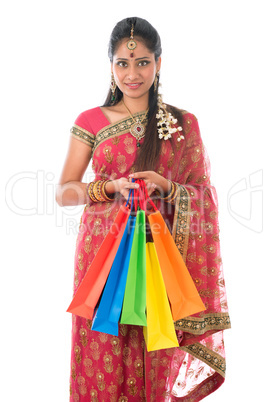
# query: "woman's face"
134,75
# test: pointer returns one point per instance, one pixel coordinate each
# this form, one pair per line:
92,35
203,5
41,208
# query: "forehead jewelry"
131,45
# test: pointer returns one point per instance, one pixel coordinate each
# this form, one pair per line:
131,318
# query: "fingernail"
131,175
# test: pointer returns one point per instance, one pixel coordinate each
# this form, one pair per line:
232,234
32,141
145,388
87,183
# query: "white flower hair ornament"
166,122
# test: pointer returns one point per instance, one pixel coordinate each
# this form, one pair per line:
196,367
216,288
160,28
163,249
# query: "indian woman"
134,135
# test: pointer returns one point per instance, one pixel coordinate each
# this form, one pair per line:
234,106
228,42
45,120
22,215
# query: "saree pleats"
110,368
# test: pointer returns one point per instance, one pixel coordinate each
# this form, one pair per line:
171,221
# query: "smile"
134,85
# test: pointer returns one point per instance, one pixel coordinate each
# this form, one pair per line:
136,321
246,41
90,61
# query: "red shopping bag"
91,287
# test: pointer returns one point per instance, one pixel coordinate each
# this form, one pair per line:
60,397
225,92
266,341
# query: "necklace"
137,129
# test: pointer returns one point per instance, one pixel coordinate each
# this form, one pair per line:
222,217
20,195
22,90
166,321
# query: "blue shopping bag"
110,306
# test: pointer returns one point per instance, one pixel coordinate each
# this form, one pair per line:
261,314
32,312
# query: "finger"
138,175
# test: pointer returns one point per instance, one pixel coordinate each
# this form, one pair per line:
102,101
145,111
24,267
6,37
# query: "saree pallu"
109,368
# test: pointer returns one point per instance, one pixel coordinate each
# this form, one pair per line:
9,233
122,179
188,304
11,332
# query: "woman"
135,135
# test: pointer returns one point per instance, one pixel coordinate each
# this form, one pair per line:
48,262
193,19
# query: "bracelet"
96,191
90,192
172,194
104,194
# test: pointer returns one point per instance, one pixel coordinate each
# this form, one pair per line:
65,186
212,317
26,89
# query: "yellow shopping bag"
160,332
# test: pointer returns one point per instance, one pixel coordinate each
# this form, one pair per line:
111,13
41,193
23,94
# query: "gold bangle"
96,191
103,192
170,194
90,192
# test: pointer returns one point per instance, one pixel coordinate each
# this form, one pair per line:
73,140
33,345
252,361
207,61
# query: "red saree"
109,368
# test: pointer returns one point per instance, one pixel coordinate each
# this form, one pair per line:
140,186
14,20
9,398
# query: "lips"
134,85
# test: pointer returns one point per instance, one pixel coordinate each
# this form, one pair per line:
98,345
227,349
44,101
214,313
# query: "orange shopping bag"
91,287
182,293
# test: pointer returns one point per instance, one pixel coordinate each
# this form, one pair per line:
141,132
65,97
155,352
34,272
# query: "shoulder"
85,126
85,118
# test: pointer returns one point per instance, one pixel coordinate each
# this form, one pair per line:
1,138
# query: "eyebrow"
140,58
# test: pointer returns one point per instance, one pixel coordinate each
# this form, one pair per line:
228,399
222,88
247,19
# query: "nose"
132,72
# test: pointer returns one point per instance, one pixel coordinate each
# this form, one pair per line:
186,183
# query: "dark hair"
149,152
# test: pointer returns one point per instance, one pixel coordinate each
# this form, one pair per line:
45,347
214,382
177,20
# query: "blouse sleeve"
82,131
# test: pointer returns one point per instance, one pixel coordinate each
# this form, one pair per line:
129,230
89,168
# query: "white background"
54,66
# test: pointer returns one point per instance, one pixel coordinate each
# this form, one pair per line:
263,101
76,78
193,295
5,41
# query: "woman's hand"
122,186
153,181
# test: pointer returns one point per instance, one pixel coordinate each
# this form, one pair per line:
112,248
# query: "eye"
121,63
144,63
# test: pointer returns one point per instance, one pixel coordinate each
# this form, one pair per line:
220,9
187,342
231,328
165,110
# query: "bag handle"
146,197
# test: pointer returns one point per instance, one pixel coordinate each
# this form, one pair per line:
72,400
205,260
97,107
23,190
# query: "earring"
156,80
113,87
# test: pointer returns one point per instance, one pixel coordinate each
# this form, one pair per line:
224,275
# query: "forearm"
71,193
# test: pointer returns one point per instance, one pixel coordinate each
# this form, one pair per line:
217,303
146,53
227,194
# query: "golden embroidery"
192,257
134,341
123,398
97,227
209,357
209,248
196,154
121,163
108,363
138,364
114,130
73,372
130,146
87,244
101,383
187,125
83,335
209,271
88,367
213,215
77,354
120,376
83,135
80,261
123,329
109,156
115,140
209,293
89,324
170,161
133,389
95,350
93,395
103,337
116,348
161,170
181,220
220,282
183,164
209,322
76,278
127,359
82,388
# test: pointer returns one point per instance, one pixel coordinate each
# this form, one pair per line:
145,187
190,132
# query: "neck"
136,105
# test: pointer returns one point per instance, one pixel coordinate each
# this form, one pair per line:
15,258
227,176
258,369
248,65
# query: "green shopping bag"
134,305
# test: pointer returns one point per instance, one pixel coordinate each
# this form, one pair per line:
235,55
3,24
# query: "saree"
110,368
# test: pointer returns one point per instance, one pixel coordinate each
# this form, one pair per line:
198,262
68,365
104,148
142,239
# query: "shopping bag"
134,306
91,287
182,293
110,306
160,331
